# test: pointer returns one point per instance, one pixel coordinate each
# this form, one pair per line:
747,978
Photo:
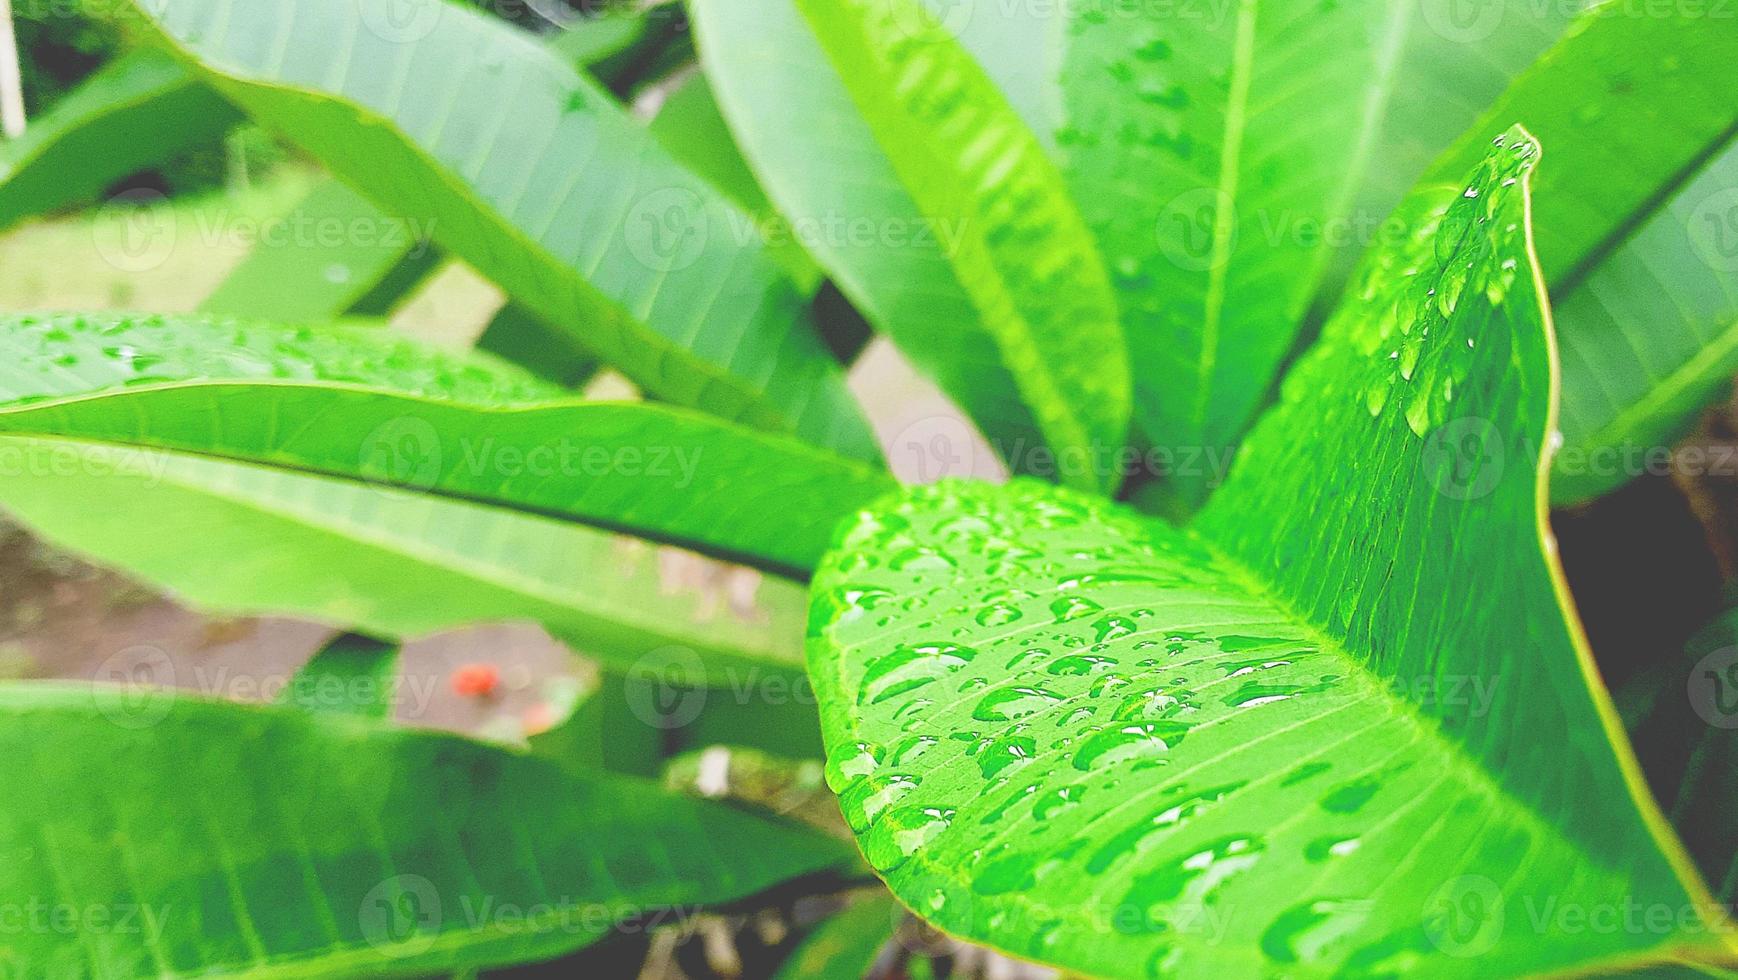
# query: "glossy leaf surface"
1023,255
822,167
1649,338
1227,155
267,841
1284,740
368,405
514,158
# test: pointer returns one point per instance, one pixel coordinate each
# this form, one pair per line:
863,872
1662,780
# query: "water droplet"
1323,848
1013,703
1302,933
902,832
1073,607
1150,740
910,667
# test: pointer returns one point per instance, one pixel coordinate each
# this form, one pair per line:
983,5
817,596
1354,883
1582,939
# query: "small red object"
476,680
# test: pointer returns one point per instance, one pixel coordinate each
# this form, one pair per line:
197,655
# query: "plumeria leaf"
523,166
368,405
1288,739
278,843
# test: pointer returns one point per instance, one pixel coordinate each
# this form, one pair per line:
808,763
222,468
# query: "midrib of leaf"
1465,771
1644,211
1225,216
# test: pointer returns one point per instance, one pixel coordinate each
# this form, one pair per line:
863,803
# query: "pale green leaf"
821,165
520,164
332,252
241,539
1022,253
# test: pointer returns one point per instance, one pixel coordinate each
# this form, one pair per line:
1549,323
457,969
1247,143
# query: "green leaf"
332,252
780,95
138,110
1631,105
1634,228
352,674
277,843
239,539
1020,250
1649,338
1221,157
367,405
524,167
846,945
1290,739
690,127
1637,238
516,334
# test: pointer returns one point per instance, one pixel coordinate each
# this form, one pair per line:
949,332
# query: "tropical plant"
1290,321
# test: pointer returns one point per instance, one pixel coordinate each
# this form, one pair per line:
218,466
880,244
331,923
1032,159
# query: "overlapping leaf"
1219,153
1638,241
822,166
216,838
366,405
517,162
333,253
137,111
1291,739
241,539
964,162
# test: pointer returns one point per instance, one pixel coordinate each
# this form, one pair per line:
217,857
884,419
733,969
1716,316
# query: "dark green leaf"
352,674
846,945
